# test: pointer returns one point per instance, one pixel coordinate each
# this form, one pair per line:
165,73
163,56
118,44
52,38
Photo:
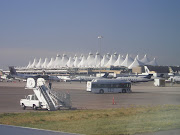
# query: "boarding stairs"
50,104
61,99
50,99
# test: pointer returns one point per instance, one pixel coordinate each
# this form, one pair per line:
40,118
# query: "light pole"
99,42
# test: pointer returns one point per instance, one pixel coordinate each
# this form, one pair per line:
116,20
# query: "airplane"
135,79
65,78
174,79
173,73
134,75
5,76
154,75
16,75
89,78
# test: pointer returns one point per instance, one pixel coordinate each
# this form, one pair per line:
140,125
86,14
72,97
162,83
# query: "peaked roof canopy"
135,63
91,61
127,62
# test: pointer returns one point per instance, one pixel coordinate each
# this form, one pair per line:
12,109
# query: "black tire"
124,91
34,107
101,91
23,107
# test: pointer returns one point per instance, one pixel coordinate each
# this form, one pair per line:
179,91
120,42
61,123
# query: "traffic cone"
113,102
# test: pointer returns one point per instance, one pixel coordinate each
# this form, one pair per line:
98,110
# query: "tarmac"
142,94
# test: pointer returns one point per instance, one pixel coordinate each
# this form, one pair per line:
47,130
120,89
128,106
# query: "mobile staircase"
49,99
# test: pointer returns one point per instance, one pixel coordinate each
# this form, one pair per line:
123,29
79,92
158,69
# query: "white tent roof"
64,60
39,64
112,60
119,61
97,60
145,60
70,62
135,63
104,61
83,62
116,55
35,62
76,61
80,58
51,63
153,62
127,62
46,61
28,66
137,57
90,60
108,55
57,61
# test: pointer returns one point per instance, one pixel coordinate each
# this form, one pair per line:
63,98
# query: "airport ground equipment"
44,97
159,82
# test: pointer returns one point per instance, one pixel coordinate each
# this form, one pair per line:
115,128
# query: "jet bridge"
50,99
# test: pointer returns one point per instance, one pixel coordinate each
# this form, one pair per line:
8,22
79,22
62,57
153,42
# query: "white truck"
31,101
44,97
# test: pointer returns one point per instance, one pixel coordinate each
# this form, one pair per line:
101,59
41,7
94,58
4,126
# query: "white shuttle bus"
108,86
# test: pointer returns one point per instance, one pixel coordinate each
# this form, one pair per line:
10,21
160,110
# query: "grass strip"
136,119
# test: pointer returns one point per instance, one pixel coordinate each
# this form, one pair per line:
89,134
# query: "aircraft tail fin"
105,75
146,69
12,71
171,70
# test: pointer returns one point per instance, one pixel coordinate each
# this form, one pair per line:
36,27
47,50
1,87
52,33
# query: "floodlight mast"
99,39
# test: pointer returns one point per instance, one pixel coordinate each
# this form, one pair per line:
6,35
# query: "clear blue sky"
40,28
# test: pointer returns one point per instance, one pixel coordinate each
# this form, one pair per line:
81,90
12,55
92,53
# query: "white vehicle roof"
109,81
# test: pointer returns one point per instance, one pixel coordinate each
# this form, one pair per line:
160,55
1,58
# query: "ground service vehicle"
108,86
44,97
31,101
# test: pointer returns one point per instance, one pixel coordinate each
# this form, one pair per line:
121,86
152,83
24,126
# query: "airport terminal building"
91,61
90,64
94,64
114,64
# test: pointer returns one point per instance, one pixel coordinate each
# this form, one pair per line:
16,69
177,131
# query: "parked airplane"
136,78
134,75
155,75
89,78
65,78
4,76
174,79
16,75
